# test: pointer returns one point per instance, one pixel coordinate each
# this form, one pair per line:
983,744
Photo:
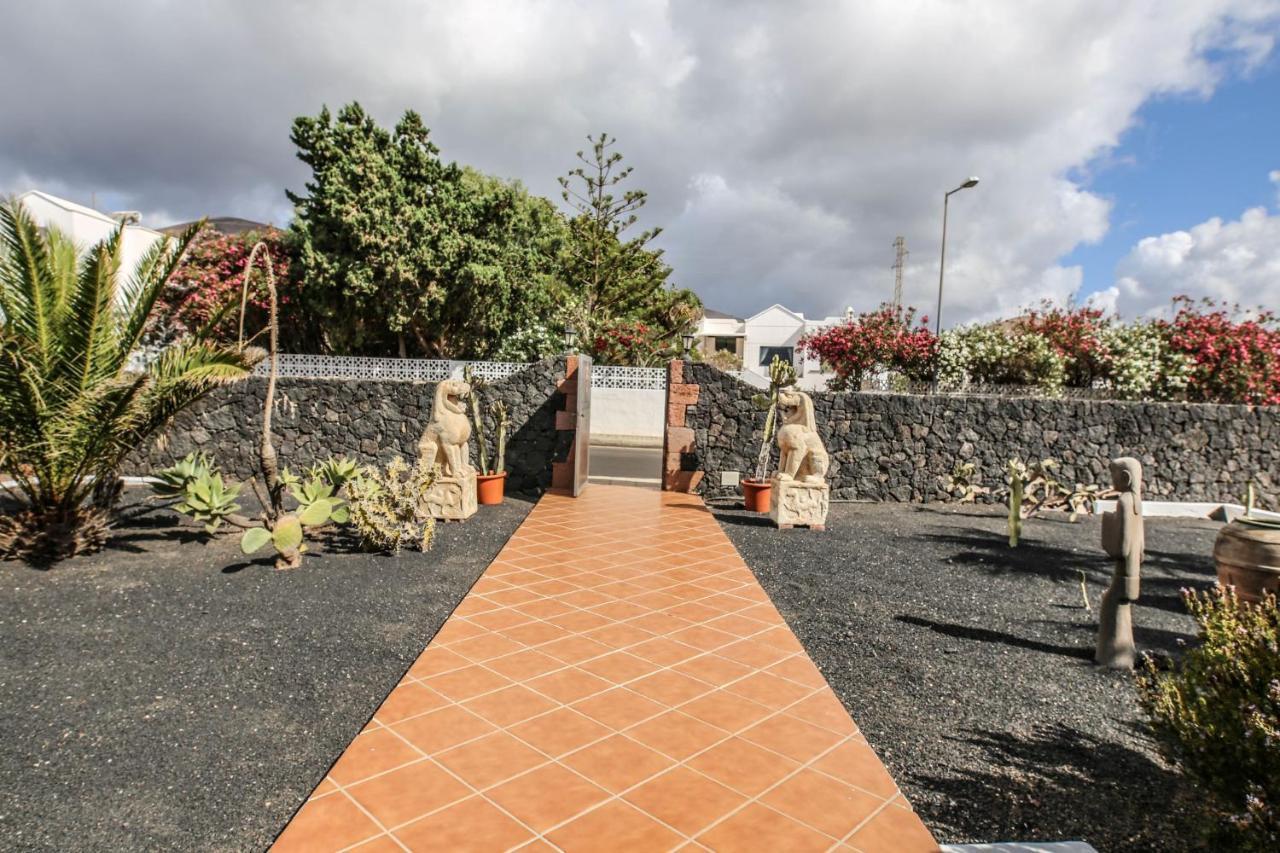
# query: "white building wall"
87,227
630,412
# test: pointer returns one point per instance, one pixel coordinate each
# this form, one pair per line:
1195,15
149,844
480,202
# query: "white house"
775,331
86,226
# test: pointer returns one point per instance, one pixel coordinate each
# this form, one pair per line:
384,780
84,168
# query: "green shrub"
1217,714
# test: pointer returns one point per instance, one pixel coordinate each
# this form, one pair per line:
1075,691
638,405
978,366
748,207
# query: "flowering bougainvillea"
889,338
210,281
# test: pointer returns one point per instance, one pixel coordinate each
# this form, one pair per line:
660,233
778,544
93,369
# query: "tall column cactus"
1017,475
782,374
501,420
477,417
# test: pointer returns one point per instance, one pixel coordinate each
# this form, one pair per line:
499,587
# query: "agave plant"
70,407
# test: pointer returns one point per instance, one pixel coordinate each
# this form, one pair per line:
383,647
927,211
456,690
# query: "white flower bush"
993,355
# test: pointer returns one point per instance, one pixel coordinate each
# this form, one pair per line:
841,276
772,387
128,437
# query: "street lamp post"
942,264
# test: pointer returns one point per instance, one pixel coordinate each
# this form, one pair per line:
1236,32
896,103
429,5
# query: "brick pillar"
567,420
678,437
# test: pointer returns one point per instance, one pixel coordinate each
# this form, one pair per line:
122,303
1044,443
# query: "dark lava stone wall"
900,447
368,420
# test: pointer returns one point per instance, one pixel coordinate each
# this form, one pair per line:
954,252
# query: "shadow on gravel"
968,632
1056,782
744,520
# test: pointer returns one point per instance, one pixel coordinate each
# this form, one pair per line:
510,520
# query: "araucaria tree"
70,409
609,278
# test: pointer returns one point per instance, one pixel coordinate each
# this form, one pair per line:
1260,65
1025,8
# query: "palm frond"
184,373
88,337
26,278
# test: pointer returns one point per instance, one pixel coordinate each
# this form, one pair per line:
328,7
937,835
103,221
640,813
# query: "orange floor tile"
616,680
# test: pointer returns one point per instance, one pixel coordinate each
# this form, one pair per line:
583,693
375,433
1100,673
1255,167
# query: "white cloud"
784,146
1236,262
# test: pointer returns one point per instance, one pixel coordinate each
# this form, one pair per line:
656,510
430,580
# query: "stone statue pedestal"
450,498
796,503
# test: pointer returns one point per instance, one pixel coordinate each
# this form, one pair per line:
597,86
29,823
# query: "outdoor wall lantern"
687,339
570,339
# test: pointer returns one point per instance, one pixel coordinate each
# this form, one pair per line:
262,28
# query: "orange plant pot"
756,495
490,488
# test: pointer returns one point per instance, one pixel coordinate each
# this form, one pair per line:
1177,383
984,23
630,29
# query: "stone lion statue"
444,441
801,455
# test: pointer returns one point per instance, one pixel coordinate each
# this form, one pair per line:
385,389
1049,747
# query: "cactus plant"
477,384
1249,517
1017,479
782,374
501,420
384,506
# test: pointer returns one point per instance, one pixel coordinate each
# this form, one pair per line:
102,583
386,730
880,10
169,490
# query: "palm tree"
70,407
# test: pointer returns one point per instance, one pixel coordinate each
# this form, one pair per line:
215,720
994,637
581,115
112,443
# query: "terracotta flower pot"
756,495
1248,558
490,488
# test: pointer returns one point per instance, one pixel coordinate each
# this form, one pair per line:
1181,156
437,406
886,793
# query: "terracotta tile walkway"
617,680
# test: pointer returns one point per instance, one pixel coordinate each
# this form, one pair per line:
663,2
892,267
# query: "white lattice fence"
634,378
294,366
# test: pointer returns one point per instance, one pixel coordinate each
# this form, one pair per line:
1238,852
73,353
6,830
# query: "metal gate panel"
582,437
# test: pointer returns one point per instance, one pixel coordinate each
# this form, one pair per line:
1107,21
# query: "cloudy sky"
1126,149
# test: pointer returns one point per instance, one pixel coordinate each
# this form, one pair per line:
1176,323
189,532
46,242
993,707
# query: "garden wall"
369,420
900,447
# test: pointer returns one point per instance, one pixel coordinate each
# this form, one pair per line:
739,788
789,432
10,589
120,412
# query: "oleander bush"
1216,714
1204,351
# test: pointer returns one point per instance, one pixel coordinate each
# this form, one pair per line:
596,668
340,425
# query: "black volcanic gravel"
169,694
968,664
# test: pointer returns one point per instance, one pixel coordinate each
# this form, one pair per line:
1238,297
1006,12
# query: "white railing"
295,366
634,378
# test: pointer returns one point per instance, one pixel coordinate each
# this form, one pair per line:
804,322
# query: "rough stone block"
450,498
795,503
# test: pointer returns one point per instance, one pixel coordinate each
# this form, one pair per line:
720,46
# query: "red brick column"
678,438
567,420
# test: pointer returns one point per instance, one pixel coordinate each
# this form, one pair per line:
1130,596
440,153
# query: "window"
726,344
787,354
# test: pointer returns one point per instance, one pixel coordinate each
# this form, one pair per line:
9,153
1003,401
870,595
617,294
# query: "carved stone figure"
801,455
444,446
1123,540
800,495
444,441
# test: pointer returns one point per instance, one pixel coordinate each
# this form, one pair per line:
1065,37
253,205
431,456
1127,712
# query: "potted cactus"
757,491
490,480
1247,553
491,483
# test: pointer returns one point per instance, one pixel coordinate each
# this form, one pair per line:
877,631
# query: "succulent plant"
501,420
172,482
200,491
384,506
